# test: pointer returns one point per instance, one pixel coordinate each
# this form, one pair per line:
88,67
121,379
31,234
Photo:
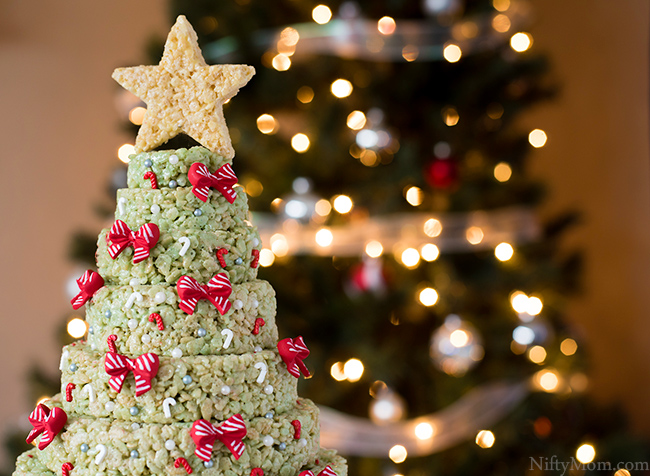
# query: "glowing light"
452,53
410,257
502,172
432,227
342,204
534,306
414,196
374,249
281,62
295,209
369,158
353,370
254,188
459,338
267,257
76,327
622,472
341,88
305,94
501,23
267,124
485,439
321,14
300,143
398,454
474,235
501,5
429,252
386,25
428,297
424,431
537,138
124,151
337,372
450,116
367,138
290,36
504,251
323,207
43,399
537,354
136,115
324,237
520,42
548,380
410,53
585,453
523,335
356,120
568,346
519,301
279,245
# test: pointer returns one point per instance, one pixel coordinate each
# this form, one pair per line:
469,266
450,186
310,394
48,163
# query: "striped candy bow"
293,351
142,240
216,291
230,433
144,369
223,179
89,283
46,421
327,471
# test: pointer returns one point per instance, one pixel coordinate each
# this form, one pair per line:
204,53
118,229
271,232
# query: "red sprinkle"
256,258
297,427
154,179
259,322
186,465
68,391
257,472
154,316
66,468
111,343
307,473
222,260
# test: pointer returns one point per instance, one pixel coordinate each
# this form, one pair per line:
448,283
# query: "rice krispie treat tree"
182,370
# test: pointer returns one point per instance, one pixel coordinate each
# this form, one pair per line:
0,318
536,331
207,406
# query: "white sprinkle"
121,203
155,208
302,442
238,304
258,348
64,360
225,390
256,242
93,346
170,445
268,389
135,426
267,440
166,403
146,339
173,159
134,282
255,303
262,368
229,334
101,453
160,297
177,353
135,296
133,323
186,245
90,391
110,406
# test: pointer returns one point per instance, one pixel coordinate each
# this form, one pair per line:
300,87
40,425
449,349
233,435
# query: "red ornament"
230,433
220,258
257,472
68,391
297,428
66,468
154,180
89,283
48,422
154,316
367,276
293,351
144,369
442,173
216,291
223,180
256,258
142,241
186,465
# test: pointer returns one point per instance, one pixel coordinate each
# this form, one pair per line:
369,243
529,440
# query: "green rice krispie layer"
202,333
29,464
199,260
141,449
206,386
170,165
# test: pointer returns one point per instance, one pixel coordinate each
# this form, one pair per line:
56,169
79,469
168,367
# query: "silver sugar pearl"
268,389
198,212
187,380
73,367
282,446
84,448
239,261
202,332
148,163
225,390
135,454
91,330
108,314
134,411
269,415
208,464
173,184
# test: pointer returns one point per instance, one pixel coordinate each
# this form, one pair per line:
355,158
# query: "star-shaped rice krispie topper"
183,94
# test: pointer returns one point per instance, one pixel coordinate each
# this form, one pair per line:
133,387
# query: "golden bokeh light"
424,431
519,301
568,346
586,453
300,143
356,120
305,94
342,204
485,439
386,25
279,245
374,249
501,23
452,53
353,370
502,172
254,188
521,42
136,115
537,138
397,454
323,207
534,305
267,257
474,235
410,257
281,62
337,373
537,354
459,338
450,116
267,124
432,227
77,327
501,5
548,380
341,88
428,297
414,196
125,151
410,53
324,237
321,14
504,251
429,252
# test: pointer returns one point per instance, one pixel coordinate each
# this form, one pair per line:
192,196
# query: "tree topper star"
183,94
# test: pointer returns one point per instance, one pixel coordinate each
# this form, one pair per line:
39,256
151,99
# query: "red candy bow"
222,179
89,283
293,351
144,368
142,241
46,421
216,291
230,433
327,471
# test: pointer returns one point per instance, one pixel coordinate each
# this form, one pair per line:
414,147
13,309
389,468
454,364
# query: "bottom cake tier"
283,445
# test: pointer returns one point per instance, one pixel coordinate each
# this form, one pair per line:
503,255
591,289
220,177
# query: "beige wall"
60,131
